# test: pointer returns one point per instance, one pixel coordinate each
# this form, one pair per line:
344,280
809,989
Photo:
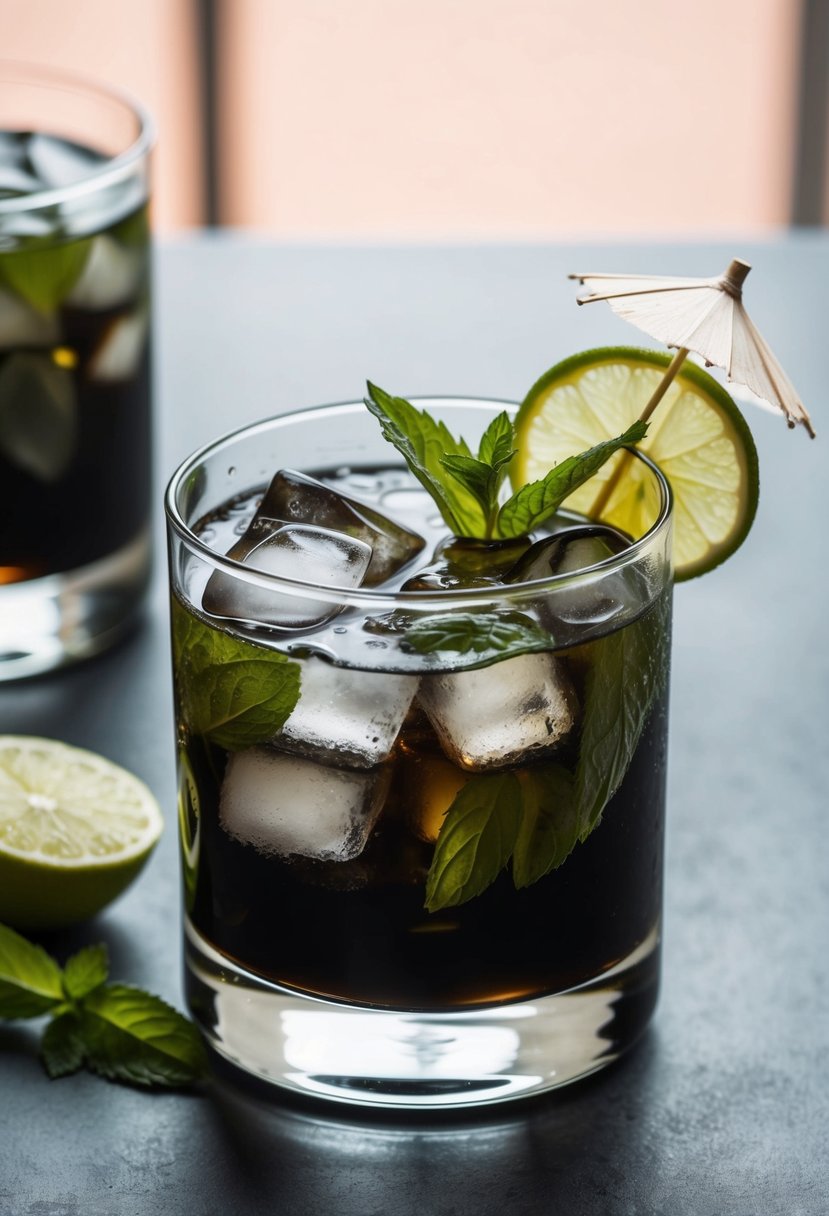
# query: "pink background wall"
457,119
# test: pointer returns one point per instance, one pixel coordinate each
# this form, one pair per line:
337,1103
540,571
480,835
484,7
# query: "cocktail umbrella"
705,316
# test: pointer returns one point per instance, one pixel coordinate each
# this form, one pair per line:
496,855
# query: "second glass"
75,454
421,784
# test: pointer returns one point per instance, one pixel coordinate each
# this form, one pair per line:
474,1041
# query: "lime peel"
75,830
697,436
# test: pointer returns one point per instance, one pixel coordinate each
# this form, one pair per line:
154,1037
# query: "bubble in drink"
347,717
493,718
285,805
293,551
298,498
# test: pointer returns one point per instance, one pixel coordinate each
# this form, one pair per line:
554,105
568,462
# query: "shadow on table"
568,1151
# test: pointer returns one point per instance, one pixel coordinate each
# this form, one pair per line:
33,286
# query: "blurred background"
464,120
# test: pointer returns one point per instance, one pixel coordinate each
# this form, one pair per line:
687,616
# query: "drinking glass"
335,727
75,450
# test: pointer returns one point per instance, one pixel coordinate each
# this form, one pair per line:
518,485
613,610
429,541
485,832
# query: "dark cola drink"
74,365
319,855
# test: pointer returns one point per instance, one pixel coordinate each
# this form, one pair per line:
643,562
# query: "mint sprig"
233,693
538,820
467,488
117,1031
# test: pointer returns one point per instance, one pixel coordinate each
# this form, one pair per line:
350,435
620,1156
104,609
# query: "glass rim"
114,168
374,597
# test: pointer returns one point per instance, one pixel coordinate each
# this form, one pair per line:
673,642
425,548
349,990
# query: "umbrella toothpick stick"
660,391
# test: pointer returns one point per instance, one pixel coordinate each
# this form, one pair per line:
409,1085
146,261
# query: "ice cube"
121,348
22,325
110,277
287,805
14,180
566,552
350,717
495,716
599,599
295,497
59,163
292,551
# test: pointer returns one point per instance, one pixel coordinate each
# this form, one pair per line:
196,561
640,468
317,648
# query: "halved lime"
75,830
697,436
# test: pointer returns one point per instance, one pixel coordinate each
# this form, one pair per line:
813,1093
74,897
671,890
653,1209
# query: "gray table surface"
723,1107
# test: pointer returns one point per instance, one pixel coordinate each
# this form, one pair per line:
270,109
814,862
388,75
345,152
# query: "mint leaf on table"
423,443
62,1048
30,981
234,693
44,274
475,841
85,971
118,1031
491,634
536,502
131,1036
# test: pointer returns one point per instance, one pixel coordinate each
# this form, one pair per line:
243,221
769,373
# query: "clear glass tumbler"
421,782
75,455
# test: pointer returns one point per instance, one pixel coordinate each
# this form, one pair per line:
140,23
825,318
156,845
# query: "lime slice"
697,436
74,832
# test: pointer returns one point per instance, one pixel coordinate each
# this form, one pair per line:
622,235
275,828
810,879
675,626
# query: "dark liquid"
357,931
75,390
376,945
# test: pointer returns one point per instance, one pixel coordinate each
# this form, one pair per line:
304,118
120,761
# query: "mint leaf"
627,674
29,979
474,476
232,692
131,1036
475,842
43,275
423,442
496,446
38,415
85,971
550,823
61,1048
496,635
537,501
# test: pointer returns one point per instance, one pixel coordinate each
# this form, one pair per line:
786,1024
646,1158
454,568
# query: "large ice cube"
500,715
287,805
293,551
350,717
58,162
569,552
110,277
295,497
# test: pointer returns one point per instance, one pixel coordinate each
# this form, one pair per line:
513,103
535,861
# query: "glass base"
383,1058
49,622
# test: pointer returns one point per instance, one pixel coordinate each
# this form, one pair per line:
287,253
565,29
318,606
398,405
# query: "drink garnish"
75,830
467,488
698,437
115,1030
